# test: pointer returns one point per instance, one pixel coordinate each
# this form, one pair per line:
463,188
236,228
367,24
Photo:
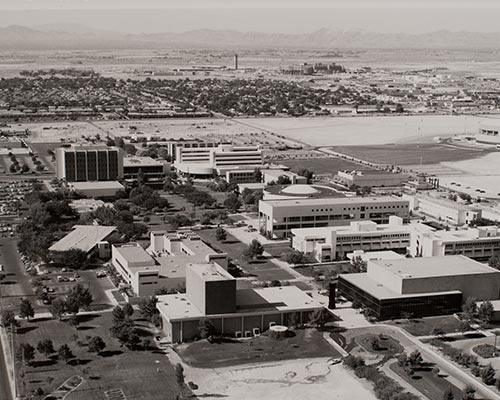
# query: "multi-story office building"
173,145
420,286
205,162
150,168
89,163
335,242
477,243
278,217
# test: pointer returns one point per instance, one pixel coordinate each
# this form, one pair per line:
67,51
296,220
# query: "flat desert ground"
351,131
286,380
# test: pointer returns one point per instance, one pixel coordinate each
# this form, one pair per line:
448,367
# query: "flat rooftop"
335,201
83,237
97,185
248,301
425,267
466,235
134,253
211,272
136,161
381,292
444,203
348,230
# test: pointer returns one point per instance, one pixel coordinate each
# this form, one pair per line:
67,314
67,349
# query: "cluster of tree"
119,216
410,363
72,258
494,261
361,191
216,215
147,198
232,202
123,327
251,197
483,313
194,195
148,310
384,387
78,298
358,265
296,257
26,352
221,185
254,250
306,173
179,220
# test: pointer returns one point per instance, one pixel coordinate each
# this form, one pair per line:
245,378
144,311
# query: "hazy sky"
291,16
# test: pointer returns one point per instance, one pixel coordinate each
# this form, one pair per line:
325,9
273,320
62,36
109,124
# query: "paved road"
17,283
5,393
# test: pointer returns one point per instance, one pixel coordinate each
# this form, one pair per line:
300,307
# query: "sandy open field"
331,131
288,380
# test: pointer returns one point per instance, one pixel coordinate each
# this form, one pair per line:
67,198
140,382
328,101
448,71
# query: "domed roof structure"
304,190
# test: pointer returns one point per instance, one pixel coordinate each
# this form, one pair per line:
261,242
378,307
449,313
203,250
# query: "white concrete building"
278,217
335,242
370,178
476,243
163,263
204,162
443,210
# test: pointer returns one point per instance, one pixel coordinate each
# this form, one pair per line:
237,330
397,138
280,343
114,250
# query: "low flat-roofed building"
442,209
278,217
211,293
477,243
334,242
420,286
82,206
90,239
163,264
370,178
272,175
96,189
374,255
150,168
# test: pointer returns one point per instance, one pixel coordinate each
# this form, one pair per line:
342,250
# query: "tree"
74,321
206,328
448,394
147,307
415,359
232,202
257,175
488,375
400,109
403,359
25,168
438,332
220,234
80,297
26,352
255,249
57,308
179,375
494,261
358,265
118,314
73,258
469,308
283,180
45,347
65,353
319,317
485,311
307,174
96,344
128,310
296,257
469,393
26,309
8,318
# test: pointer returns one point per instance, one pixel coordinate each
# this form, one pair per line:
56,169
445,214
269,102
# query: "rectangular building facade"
278,217
89,163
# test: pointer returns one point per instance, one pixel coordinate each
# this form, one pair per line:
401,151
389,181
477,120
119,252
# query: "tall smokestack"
236,61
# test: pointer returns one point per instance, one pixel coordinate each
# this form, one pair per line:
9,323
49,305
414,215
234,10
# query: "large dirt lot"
284,380
351,131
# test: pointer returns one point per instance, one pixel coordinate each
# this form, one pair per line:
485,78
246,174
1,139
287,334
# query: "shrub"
485,350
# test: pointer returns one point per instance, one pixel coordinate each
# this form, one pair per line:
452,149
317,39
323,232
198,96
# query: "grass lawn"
410,154
307,343
426,381
386,344
424,326
326,165
139,374
263,269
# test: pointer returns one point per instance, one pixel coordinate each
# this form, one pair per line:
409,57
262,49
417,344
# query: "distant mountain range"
77,37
